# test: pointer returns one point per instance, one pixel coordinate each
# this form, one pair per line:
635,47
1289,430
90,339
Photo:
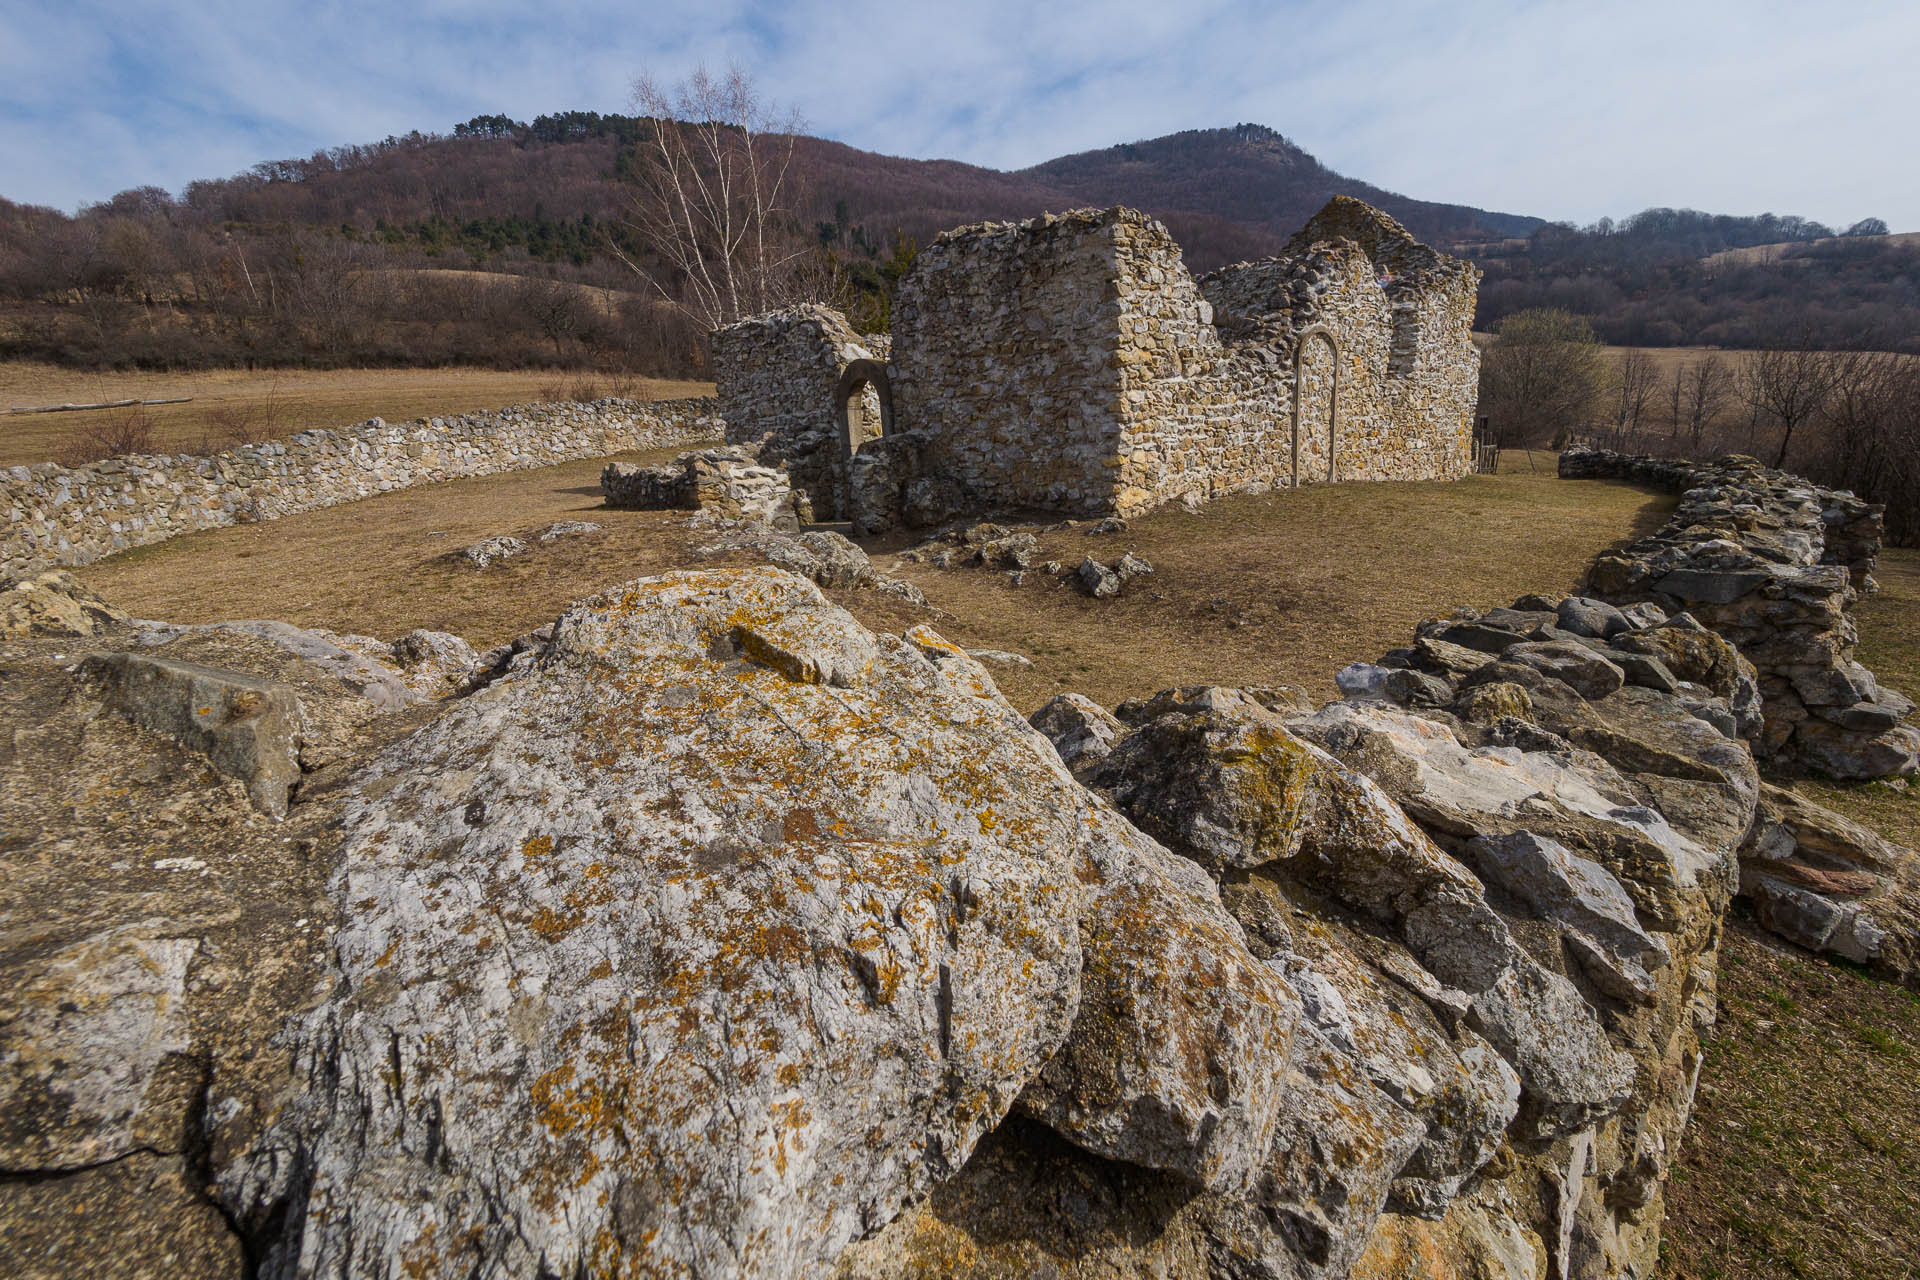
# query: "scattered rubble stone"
54,604
490,551
567,529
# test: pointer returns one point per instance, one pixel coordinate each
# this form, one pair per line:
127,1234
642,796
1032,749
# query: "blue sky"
1564,110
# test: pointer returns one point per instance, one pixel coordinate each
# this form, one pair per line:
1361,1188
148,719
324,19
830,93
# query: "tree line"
1848,419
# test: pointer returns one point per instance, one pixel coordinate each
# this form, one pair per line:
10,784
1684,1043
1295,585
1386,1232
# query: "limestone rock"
1097,580
1852,757
248,728
437,660
1336,1151
490,551
568,529
1177,1058
1185,700
1588,617
1584,898
1442,658
744,960
1501,699
1586,672
1010,551
1828,884
85,1038
54,604
1231,786
1081,730
1570,1075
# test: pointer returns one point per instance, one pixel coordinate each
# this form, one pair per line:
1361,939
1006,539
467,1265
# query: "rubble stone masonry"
74,515
1072,362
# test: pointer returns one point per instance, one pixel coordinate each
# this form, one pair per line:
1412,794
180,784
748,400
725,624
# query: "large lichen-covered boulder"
1178,1059
713,937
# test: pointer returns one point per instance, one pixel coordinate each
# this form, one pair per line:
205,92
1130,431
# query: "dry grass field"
275,402
1762,254
1283,588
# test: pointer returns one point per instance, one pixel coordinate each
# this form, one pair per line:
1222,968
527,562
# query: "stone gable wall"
75,515
1006,343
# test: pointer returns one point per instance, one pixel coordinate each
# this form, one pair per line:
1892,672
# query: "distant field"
1665,359
282,401
1760,254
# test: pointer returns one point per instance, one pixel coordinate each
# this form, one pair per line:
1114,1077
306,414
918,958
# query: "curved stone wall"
75,515
1774,563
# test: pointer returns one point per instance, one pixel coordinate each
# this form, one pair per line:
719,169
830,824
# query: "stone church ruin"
1073,363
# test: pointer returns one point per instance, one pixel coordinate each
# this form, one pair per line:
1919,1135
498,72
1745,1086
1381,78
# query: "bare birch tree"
709,191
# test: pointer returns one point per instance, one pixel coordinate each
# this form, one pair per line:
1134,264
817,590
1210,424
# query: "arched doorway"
1333,399
862,411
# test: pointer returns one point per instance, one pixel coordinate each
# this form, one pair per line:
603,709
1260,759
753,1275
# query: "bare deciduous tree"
1634,383
1788,383
1708,383
1540,379
709,191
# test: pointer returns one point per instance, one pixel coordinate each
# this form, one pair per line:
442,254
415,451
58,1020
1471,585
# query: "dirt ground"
1283,588
276,402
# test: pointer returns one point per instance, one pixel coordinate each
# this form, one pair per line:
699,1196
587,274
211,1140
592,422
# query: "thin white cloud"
1557,109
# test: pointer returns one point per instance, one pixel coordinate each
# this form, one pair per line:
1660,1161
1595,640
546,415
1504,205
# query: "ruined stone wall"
1005,357
776,375
1774,563
728,481
74,515
1074,362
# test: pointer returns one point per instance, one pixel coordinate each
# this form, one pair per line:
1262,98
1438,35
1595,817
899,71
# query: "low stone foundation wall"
1774,563
74,515
728,481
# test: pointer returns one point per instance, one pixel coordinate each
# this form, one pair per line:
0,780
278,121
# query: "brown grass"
1285,588
1799,1159
1279,588
271,403
380,567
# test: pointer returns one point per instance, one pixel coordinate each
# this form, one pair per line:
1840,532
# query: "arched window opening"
1333,400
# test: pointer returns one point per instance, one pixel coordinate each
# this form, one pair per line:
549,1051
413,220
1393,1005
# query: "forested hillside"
508,243
324,260
1675,277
